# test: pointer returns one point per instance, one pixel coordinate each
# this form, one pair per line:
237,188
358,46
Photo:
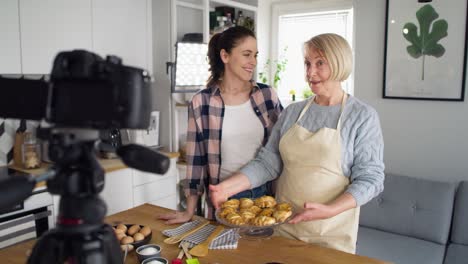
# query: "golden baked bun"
266,212
247,216
281,215
283,207
233,203
246,203
254,209
263,221
226,211
265,202
235,219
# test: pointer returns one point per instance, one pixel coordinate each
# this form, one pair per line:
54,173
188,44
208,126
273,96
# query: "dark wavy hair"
226,40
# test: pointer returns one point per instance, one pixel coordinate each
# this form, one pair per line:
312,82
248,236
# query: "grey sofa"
410,222
457,252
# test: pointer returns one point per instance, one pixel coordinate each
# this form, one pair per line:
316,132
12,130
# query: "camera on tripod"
85,93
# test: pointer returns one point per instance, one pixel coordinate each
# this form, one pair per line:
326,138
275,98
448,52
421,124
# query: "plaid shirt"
204,132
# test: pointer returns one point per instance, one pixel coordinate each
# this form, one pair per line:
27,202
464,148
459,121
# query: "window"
296,27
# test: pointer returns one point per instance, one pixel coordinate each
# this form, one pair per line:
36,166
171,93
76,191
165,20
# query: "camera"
85,94
84,91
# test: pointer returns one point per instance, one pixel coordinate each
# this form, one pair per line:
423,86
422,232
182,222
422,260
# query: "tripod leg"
48,249
111,245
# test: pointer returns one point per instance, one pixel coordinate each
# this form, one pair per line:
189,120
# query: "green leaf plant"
280,68
426,42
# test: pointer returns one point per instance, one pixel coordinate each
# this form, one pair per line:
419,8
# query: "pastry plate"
251,231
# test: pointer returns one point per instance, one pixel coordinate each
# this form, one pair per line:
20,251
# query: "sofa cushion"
398,248
413,207
456,254
460,216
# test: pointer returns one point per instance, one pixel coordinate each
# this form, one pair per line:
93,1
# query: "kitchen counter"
271,250
109,165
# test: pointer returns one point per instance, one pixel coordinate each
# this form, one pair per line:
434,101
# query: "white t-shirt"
242,136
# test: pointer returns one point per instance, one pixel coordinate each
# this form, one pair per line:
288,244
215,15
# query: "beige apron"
312,173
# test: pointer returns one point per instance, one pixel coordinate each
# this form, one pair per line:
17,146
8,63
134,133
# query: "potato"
138,237
145,231
129,247
122,227
120,236
127,240
133,229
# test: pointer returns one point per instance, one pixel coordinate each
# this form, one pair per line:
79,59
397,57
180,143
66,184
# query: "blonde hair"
336,51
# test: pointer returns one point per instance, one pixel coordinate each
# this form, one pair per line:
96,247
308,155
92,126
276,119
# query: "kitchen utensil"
178,260
177,239
189,259
201,250
17,148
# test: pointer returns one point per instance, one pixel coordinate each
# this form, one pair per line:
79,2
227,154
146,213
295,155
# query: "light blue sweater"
361,153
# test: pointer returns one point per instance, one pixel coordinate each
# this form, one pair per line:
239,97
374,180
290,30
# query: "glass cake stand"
250,231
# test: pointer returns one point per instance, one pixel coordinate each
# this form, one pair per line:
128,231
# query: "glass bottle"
240,19
221,24
229,23
31,152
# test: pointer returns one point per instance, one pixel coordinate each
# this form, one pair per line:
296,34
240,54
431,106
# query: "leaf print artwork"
426,42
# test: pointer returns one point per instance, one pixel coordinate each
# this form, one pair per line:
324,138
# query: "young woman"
228,122
328,151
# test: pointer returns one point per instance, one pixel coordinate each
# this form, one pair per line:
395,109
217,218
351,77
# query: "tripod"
81,235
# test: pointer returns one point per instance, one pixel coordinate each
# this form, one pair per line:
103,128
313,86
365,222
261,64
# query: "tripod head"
85,93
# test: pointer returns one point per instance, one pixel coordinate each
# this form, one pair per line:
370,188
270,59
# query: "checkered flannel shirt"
204,132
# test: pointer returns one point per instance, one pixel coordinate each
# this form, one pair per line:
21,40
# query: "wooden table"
274,249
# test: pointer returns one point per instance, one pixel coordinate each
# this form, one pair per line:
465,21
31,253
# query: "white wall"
422,138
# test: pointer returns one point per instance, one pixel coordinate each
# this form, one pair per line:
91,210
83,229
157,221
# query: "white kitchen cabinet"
10,52
118,191
127,188
155,188
50,26
123,28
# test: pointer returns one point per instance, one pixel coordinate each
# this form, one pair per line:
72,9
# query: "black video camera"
85,91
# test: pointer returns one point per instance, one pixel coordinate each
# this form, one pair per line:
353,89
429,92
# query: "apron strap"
343,103
305,108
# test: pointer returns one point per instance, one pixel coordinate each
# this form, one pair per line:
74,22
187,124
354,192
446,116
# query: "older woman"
328,152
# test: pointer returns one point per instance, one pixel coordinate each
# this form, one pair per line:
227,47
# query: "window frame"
292,8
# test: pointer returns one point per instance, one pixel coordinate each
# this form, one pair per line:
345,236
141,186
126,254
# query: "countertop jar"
31,152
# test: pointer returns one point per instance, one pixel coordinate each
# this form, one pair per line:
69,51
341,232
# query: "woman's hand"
176,217
218,195
313,211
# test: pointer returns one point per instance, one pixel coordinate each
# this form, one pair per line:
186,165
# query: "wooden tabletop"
260,251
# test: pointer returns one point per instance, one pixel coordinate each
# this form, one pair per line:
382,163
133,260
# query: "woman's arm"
227,188
367,171
184,216
196,168
316,211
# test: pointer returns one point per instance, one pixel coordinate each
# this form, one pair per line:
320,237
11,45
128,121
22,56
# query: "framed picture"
425,49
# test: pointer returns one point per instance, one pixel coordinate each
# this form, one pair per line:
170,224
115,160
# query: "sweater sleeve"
367,171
